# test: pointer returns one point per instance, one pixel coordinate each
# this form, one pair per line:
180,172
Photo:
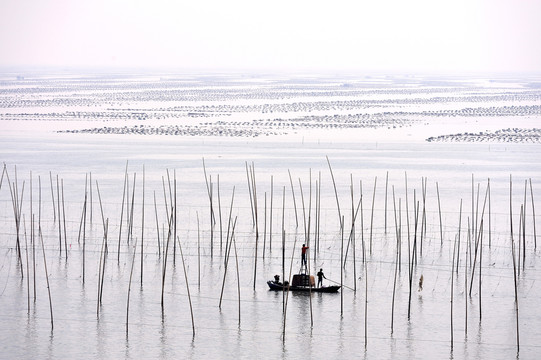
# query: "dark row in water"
514,135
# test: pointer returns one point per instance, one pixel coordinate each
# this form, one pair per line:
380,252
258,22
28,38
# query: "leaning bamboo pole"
372,215
452,290
335,192
386,187
46,277
270,213
188,286
124,192
514,261
52,196
411,263
439,211
142,224
166,252
228,244
294,200
64,219
129,287
396,262
533,216
27,265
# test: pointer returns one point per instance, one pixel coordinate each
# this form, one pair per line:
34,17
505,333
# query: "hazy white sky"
359,35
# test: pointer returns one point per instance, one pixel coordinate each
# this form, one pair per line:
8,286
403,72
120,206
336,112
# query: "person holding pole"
320,276
303,262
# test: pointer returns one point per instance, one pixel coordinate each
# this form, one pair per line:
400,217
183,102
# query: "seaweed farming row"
228,106
208,250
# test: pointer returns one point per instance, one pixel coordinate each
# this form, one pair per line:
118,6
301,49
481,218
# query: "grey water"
360,321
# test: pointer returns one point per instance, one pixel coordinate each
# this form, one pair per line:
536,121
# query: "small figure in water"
320,276
420,283
277,279
303,262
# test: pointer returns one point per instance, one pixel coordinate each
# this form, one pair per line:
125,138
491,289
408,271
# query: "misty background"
457,36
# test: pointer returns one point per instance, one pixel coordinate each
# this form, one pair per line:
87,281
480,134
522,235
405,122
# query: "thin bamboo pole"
294,200
452,290
335,192
396,261
142,225
188,286
372,215
129,287
385,210
47,278
439,211
157,227
52,196
533,216
124,192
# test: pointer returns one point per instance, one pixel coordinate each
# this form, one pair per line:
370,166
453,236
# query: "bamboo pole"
59,214
407,213
372,215
47,278
52,197
142,224
265,226
130,210
82,213
228,245
166,252
174,213
254,189
238,274
250,192
342,266
423,217
270,213
459,231
294,200
514,261
33,239
413,250
84,236
452,290
17,216
386,186
335,192
533,216
283,252
480,266
219,210
466,282
129,287
27,266
157,227
124,192
489,217
439,211
198,252
188,286
362,221
396,262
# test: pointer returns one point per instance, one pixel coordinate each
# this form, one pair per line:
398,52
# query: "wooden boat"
302,283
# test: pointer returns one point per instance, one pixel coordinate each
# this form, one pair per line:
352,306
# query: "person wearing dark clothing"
304,248
320,276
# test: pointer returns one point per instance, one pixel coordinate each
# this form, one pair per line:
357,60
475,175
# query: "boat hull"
323,289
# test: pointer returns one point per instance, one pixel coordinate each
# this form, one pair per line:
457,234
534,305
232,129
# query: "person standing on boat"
303,262
320,276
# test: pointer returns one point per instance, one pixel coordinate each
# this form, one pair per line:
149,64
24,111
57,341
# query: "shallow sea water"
354,323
